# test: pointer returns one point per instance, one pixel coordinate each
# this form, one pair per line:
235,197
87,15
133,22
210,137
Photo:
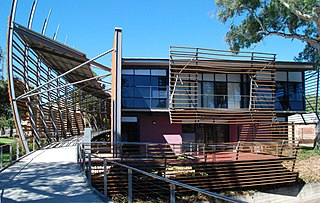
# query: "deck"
211,168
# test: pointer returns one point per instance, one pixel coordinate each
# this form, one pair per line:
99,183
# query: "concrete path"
50,175
308,193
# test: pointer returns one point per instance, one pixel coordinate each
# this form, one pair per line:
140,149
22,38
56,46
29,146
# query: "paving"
50,175
308,193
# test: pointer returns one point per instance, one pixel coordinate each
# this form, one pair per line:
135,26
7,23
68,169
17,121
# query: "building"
224,104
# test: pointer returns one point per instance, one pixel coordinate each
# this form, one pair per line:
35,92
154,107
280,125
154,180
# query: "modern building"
212,119
213,102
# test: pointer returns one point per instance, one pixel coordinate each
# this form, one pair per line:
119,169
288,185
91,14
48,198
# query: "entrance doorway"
130,131
211,134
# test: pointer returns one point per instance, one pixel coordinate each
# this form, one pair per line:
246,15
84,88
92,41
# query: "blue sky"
149,26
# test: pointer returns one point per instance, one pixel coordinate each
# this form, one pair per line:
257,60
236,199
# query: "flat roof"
280,65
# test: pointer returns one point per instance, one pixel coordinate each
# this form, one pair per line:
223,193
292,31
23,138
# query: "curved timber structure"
53,91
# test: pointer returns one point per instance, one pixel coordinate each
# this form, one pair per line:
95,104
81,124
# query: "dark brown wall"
150,132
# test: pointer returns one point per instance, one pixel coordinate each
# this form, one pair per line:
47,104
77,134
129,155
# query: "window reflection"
145,89
290,94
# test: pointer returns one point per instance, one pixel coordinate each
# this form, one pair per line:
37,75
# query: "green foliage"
5,107
253,20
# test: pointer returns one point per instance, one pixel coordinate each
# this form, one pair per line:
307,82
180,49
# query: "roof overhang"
280,65
62,58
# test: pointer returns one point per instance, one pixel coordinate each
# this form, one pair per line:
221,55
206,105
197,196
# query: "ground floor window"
204,133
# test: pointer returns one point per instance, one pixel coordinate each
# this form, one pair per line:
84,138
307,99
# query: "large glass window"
208,95
144,88
234,95
221,95
289,91
221,91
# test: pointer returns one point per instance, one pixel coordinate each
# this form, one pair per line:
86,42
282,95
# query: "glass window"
208,77
188,128
142,80
295,76
199,96
141,103
159,103
221,77
142,92
289,96
142,71
234,78
127,92
295,91
127,72
127,80
221,98
199,77
128,103
281,76
158,92
159,80
158,72
281,99
234,97
208,95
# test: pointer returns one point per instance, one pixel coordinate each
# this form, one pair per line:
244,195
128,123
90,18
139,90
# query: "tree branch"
293,36
299,14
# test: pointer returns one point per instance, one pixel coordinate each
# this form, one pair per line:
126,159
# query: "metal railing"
9,153
194,151
131,189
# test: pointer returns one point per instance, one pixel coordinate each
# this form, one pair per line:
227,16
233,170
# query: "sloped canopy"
62,58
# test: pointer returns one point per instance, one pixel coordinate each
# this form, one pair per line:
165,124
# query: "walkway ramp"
50,175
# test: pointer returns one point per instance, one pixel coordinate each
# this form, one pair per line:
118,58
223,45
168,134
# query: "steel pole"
105,178
172,193
129,186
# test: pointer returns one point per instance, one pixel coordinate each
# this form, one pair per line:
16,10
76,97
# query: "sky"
149,27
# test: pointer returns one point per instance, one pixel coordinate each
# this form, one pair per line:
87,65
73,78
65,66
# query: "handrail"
11,153
212,194
182,149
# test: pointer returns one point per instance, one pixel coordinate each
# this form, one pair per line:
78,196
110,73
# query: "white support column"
116,92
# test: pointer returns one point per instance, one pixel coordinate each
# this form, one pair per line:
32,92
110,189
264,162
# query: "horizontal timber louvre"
192,101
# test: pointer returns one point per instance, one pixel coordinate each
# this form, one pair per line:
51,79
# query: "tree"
5,108
1,63
254,20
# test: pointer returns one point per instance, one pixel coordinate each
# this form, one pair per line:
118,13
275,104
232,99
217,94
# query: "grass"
7,140
5,157
307,164
307,152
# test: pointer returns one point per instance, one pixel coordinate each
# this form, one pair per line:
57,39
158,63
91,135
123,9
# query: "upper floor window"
144,88
289,91
212,90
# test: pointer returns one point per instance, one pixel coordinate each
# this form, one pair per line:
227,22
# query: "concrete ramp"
50,175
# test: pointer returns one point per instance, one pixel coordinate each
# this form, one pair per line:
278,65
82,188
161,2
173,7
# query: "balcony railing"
136,184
